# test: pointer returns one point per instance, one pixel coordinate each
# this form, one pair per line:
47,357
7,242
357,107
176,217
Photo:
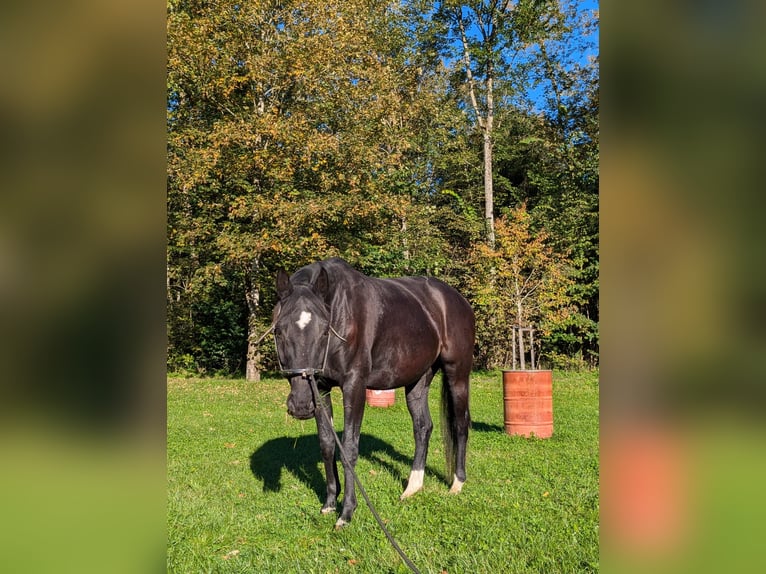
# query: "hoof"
456,487
327,509
407,493
341,524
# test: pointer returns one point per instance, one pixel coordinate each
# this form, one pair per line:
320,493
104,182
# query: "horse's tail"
455,422
449,428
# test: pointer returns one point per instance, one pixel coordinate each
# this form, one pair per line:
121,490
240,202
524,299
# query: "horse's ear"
284,287
322,284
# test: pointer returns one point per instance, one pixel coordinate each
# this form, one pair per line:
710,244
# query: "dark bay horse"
356,332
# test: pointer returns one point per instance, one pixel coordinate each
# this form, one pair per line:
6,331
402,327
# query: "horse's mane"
339,272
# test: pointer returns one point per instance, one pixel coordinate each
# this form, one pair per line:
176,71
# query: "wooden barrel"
528,403
381,398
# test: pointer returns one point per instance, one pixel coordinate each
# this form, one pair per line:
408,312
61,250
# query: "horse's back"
436,297
448,310
388,308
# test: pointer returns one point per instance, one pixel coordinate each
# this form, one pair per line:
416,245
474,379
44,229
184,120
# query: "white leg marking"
340,524
457,486
304,320
414,484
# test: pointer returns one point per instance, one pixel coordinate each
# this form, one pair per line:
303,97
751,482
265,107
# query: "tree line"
446,138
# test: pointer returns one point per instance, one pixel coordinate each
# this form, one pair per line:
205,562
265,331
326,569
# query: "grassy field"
245,484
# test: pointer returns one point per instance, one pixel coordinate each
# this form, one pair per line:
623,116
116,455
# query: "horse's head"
301,328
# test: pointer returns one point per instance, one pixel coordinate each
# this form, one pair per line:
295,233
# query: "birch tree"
492,37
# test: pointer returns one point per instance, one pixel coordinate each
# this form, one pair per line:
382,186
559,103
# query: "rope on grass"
344,460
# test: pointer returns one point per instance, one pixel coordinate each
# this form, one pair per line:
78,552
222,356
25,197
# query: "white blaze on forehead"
304,320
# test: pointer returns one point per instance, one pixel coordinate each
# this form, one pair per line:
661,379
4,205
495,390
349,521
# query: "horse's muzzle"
301,413
300,401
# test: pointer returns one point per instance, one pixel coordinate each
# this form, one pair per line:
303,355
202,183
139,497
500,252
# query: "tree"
492,36
567,178
295,133
520,282
546,156
304,129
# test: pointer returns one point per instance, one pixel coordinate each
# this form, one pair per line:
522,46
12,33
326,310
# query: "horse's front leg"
325,431
353,411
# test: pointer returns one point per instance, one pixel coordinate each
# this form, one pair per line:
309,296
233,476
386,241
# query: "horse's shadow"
301,457
486,427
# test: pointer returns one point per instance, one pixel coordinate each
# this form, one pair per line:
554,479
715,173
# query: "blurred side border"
682,286
82,265
82,253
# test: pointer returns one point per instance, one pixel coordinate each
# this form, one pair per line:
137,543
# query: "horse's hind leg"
422,425
456,387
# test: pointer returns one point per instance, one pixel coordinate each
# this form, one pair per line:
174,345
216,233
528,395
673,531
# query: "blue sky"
536,94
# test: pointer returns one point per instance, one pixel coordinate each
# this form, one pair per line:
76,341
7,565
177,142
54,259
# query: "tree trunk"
489,125
489,201
486,123
519,322
405,244
253,297
252,372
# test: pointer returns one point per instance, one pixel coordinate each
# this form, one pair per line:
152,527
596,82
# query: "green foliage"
245,485
520,282
295,133
302,131
207,331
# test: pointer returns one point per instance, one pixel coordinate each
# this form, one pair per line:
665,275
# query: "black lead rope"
310,376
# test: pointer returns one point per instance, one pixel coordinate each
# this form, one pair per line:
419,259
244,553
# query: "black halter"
305,372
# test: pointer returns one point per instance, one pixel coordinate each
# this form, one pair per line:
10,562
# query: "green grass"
245,484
